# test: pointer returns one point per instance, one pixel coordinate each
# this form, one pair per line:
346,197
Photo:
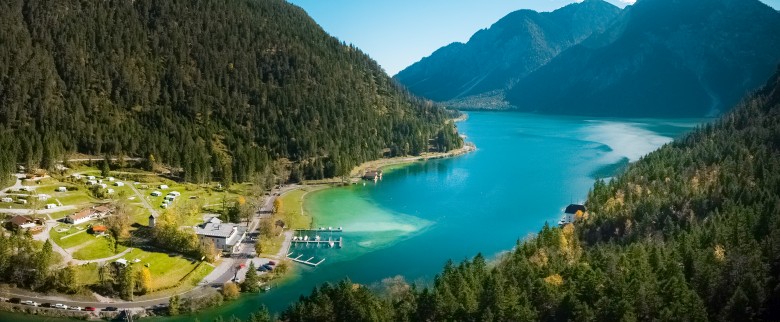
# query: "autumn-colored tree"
277,205
144,280
209,251
119,223
230,291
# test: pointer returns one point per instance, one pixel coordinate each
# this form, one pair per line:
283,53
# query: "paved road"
36,211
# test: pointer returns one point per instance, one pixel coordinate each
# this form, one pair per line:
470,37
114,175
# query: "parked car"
46,305
90,309
60,306
15,300
28,302
110,309
271,263
76,308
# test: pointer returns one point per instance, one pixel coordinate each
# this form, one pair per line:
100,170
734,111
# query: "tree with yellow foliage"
230,291
277,205
144,280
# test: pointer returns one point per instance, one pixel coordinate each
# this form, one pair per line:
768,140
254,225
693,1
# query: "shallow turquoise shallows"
526,169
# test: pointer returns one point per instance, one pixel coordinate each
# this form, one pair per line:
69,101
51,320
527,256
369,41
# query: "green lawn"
166,269
71,241
87,274
80,197
292,210
61,214
199,274
97,249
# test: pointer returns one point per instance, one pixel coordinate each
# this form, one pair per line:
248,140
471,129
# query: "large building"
88,214
225,236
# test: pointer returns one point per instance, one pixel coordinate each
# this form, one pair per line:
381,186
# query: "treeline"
689,233
217,89
29,264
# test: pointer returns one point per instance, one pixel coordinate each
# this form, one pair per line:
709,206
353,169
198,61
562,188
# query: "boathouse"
572,213
372,174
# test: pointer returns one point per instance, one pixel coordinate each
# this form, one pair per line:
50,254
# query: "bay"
525,170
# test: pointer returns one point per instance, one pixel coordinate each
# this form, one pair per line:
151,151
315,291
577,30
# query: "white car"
60,306
76,308
30,303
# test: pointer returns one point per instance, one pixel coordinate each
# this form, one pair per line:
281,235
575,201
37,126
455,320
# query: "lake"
525,170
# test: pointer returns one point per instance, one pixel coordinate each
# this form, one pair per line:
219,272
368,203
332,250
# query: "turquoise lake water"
526,169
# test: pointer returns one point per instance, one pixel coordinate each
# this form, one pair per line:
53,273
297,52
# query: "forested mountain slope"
660,58
689,233
510,49
223,85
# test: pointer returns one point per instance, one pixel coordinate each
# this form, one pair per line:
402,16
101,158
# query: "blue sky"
397,33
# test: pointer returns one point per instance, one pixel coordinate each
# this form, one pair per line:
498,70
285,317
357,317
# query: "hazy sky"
398,33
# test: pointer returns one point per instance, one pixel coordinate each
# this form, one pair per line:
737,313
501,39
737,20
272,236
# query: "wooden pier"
336,242
306,262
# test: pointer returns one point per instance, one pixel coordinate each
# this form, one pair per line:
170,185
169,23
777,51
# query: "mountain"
231,86
661,58
510,49
691,232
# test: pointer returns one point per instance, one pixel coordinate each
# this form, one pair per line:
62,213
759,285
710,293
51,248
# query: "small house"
152,221
25,188
121,262
164,206
43,197
21,201
373,175
91,182
110,191
98,229
25,223
51,206
103,185
163,186
6,199
174,193
62,189
119,184
76,176
156,193
110,179
90,177
572,213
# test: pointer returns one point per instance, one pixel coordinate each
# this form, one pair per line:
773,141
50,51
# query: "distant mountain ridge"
656,58
510,49
661,58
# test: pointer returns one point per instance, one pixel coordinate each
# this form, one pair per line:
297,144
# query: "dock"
336,242
306,262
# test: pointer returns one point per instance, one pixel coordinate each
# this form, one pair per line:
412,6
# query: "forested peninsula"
690,232
212,90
